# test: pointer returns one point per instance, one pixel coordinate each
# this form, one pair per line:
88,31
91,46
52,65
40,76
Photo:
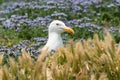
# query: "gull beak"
69,30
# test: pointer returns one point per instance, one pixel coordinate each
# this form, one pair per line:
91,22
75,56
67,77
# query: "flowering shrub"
26,20
24,24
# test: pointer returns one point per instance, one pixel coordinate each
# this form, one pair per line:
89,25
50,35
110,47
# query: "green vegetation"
94,53
11,37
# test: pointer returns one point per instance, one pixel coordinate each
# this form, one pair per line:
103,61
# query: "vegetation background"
93,54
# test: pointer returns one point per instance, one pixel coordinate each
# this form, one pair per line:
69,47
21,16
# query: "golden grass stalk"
91,59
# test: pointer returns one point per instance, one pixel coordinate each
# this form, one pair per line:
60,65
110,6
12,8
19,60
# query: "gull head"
54,41
59,27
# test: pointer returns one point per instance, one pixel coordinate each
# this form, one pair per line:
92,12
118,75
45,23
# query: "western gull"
55,29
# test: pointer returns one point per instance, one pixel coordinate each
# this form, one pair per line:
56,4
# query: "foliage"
91,59
24,24
25,20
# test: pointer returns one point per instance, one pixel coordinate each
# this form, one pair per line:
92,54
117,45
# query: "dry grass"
87,60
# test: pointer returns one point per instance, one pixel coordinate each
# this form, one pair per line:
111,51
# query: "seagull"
55,29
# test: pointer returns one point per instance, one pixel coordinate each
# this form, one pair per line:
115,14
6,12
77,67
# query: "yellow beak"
69,30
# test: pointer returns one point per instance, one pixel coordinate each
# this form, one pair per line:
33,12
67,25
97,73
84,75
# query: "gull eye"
57,23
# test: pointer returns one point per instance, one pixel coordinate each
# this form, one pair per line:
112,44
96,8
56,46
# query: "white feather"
54,35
